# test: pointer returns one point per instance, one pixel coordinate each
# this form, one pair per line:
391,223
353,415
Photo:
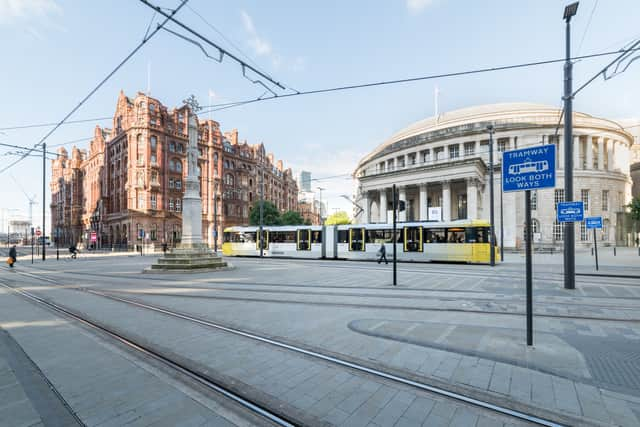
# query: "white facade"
443,162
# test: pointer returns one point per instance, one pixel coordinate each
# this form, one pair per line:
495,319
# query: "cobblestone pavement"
456,326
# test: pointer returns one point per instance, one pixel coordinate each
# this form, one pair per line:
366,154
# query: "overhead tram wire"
219,107
222,106
587,27
95,89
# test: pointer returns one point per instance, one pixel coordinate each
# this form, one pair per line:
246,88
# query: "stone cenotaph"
191,255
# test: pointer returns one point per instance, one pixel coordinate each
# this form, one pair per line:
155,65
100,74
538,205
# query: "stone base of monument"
188,258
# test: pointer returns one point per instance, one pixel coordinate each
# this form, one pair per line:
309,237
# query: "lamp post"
501,217
569,231
492,244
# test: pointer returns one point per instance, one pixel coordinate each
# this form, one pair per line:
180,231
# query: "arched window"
172,147
172,166
154,142
178,165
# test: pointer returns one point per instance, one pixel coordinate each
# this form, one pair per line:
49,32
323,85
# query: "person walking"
382,253
13,255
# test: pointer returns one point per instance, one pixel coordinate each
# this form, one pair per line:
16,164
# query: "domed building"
440,166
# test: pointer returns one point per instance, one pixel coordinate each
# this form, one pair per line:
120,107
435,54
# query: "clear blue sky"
55,51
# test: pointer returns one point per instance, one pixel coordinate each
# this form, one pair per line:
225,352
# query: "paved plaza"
457,327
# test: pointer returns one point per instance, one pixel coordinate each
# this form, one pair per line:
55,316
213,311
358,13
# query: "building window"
400,162
171,181
534,200
152,107
454,151
171,205
605,230
140,150
558,197
154,232
153,143
584,196
177,165
503,145
154,159
178,183
558,230
172,147
140,201
228,179
154,177
535,228
154,201
178,205
412,159
605,200
620,201
462,206
425,156
469,148
584,236
438,153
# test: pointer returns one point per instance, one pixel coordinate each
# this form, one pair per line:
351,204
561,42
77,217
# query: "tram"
465,241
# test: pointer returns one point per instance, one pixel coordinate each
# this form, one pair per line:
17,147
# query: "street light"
569,231
321,219
492,244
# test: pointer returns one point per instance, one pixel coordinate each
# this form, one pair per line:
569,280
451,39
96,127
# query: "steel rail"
203,380
334,360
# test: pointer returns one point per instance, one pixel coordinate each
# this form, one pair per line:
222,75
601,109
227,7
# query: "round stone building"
440,166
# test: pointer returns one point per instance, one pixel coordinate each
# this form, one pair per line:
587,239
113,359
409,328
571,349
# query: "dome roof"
516,112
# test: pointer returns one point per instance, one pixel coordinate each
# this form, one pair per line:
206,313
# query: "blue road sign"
593,222
570,211
529,168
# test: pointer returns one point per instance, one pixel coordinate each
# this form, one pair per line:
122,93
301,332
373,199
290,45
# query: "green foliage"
270,214
307,221
634,206
338,218
291,218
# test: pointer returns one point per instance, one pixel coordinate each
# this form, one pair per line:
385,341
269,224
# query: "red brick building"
129,185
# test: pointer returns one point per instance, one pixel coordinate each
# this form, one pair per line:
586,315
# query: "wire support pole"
95,89
44,198
529,267
261,210
492,227
395,238
569,229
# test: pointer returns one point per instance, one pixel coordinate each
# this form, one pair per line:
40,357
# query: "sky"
56,51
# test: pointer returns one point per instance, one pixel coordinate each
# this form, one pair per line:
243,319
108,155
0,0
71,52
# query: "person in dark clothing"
382,253
74,251
13,254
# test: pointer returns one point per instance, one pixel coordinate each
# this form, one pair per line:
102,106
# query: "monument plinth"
191,255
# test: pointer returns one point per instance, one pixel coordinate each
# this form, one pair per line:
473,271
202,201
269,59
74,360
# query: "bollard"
614,251
591,251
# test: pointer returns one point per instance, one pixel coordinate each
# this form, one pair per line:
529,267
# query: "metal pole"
215,223
501,223
261,210
595,247
57,244
569,231
492,245
32,241
44,196
395,239
529,235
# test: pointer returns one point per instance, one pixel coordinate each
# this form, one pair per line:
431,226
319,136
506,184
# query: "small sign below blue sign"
529,168
593,222
570,211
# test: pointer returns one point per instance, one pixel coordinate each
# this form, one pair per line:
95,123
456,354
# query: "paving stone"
566,397
393,410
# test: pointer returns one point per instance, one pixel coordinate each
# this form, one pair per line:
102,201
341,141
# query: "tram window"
455,235
316,237
250,237
435,235
282,236
343,236
303,240
477,235
226,237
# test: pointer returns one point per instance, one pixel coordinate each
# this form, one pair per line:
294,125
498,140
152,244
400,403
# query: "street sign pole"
595,247
31,245
529,236
395,239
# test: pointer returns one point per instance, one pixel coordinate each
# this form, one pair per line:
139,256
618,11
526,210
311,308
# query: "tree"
634,206
338,218
291,218
270,214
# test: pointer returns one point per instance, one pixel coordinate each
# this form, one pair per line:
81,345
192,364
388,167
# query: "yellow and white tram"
455,241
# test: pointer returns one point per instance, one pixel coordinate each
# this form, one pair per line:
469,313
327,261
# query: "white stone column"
446,201
589,148
472,199
600,142
610,143
365,205
560,152
382,217
423,203
191,202
402,195
576,153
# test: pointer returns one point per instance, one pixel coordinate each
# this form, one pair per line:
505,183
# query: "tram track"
486,404
207,382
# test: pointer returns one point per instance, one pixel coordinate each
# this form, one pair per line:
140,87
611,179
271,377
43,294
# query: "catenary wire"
586,29
218,107
102,82
221,106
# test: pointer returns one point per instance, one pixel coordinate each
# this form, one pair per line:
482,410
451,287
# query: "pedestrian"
382,254
74,251
13,255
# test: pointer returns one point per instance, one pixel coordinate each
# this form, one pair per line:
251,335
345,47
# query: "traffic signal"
401,206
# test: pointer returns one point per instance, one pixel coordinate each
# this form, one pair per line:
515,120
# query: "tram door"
413,239
304,240
356,239
265,246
